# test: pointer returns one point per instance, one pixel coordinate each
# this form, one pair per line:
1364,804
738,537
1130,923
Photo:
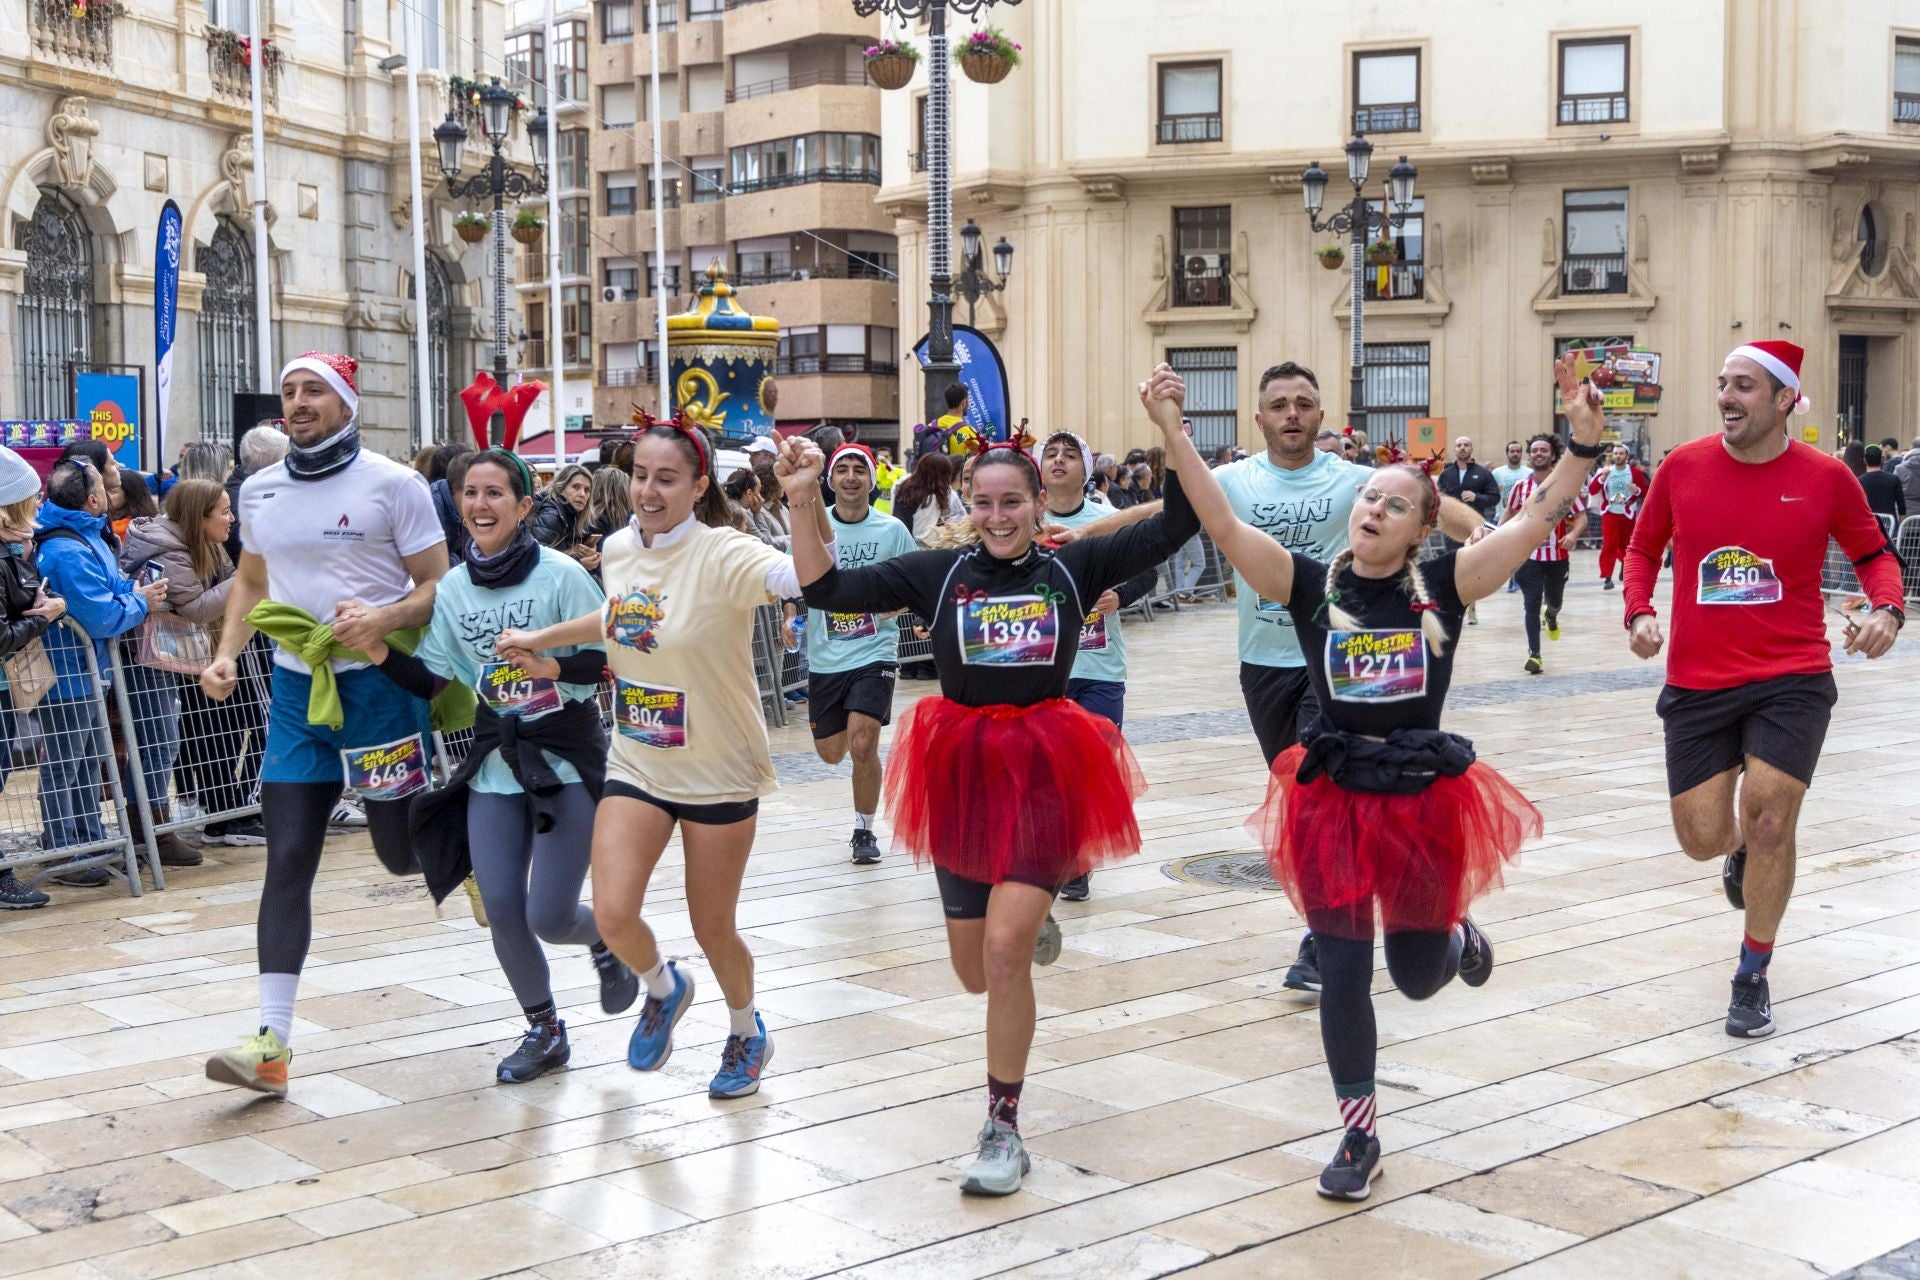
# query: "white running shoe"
347,813
1002,1162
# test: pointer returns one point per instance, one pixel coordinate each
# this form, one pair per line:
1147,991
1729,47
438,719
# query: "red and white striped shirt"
1549,550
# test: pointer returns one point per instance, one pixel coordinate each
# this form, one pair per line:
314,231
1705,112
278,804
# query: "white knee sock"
277,991
742,1021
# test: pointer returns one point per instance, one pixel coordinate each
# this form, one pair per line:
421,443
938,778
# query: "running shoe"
1733,877
1001,1163
542,1049
1304,973
1750,1015
479,904
347,813
260,1064
1473,615
866,849
1552,618
240,833
1533,665
619,985
652,1038
1354,1167
81,877
1077,889
742,1060
1606,584
1476,954
1046,947
15,896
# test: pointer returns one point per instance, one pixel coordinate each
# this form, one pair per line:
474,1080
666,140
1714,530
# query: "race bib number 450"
1734,575
1008,631
1376,666
650,715
391,771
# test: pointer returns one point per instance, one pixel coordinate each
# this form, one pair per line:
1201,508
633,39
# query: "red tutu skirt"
1038,794
1424,858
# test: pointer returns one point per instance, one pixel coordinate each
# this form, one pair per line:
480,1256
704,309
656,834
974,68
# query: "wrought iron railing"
1191,128
1205,287
1401,118
869,176
1594,273
794,366
1593,108
805,80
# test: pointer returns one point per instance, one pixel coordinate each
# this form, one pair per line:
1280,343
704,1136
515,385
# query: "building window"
620,195
226,327
56,309
1213,393
669,15
1873,245
527,65
622,275
1202,275
1593,81
576,236
705,10
233,15
1190,102
1595,257
575,168
616,21
1906,80
799,351
570,60
764,267
576,325
439,345
709,185
1406,278
1386,91
1395,386
616,106
810,157
669,191
668,277
917,158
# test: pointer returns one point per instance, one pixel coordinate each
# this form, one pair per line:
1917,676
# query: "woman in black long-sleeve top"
1003,784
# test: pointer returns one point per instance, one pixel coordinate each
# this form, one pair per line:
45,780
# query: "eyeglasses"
1395,504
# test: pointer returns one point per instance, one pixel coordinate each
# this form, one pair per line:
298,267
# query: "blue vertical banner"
109,403
984,375
166,320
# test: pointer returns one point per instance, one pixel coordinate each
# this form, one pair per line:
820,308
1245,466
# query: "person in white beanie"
30,611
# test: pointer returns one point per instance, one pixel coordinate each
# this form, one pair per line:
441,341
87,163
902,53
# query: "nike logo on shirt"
1785,498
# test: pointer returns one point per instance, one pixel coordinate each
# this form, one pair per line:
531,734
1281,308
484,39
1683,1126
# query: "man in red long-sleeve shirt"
1750,675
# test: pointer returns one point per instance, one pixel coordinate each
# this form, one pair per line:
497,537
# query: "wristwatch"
1899,614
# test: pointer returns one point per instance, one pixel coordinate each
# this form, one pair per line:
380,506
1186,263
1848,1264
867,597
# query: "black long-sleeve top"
1006,632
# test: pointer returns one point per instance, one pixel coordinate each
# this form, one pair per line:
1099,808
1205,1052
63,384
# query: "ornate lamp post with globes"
942,372
1356,218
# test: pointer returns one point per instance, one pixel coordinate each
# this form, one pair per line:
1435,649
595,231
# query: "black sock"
1003,1101
598,947
543,1014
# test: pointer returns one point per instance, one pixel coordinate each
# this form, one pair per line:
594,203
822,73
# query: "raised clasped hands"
1164,396
798,467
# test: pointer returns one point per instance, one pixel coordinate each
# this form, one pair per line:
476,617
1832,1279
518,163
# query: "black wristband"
1899,614
1579,450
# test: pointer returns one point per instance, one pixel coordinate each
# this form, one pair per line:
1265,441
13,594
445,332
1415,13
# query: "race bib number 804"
1734,575
650,715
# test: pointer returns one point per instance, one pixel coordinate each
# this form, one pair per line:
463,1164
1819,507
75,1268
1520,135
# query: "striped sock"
1754,956
1356,1105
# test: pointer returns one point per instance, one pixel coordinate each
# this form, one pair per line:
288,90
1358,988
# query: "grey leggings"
531,881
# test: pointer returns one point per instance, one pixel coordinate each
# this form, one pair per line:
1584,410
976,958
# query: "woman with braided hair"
1378,811
1009,788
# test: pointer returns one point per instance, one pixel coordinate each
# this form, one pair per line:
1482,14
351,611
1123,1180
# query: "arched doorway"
226,327
56,305
439,348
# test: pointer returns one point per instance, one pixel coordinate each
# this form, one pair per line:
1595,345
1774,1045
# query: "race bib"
1734,575
510,691
1376,666
1008,631
850,626
391,771
1093,634
650,715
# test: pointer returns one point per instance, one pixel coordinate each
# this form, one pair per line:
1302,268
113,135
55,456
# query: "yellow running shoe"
472,887
261,1063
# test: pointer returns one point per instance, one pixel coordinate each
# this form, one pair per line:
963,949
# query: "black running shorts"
964,899
1280,702
1782,721
831,695
724,814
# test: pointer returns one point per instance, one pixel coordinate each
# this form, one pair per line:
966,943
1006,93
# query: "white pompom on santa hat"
337,371
1782,360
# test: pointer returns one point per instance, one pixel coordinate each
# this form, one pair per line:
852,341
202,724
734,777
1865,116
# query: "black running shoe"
619,987
1750,1016
1350,1176
1476,955
866,849
544,1048
1733,877
81,877
1304,974
15,896
1075,890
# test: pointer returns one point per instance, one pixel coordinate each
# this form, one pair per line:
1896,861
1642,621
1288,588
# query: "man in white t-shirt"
343,548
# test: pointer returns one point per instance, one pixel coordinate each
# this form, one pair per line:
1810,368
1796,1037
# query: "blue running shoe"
741,1063
652,1037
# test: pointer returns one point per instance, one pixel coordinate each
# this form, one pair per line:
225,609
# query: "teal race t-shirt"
1304,511
847,641
1103,644
467,619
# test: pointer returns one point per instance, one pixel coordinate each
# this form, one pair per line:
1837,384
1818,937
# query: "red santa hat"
337,371
859,451
1782,360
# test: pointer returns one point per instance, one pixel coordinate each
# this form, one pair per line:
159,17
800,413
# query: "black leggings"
1540,580
1419,963
295,815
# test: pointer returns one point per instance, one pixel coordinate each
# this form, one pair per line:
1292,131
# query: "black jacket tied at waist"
437,820
1406,764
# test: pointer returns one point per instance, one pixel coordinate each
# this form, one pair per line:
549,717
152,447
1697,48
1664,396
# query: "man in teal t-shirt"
1510,475
853,657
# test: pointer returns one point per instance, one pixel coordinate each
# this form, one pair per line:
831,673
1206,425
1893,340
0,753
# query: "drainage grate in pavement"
1244,870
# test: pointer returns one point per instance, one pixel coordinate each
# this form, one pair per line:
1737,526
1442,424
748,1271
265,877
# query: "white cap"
762,444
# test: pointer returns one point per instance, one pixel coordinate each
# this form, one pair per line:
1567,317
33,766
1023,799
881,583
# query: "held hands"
357,625
1056,535
218,680
1108,603
1579,401
533,664
1164,395
1645,638
798,469
515,641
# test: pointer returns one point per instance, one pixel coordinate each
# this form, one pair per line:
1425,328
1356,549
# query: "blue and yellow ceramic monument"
721,362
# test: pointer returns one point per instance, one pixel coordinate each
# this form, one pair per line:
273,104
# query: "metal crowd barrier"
62,806
1838,576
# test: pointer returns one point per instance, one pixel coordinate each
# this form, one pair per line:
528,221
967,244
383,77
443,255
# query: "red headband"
646,422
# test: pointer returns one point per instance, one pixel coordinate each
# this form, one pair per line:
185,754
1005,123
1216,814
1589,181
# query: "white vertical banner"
424,432
262,290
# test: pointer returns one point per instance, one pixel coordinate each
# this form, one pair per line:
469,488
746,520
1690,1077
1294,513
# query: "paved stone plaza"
1581,1116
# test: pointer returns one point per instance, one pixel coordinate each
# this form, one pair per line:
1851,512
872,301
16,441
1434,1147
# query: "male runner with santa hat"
1750,676
852,658
343,549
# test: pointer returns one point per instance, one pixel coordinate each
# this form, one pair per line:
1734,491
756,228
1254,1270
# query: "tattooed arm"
1484,566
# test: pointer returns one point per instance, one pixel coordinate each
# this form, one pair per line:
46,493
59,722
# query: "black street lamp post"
974,283
500,181
942,371
1359,222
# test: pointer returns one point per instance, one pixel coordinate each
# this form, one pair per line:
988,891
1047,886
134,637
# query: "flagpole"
262,292
557,381
660,222
424,432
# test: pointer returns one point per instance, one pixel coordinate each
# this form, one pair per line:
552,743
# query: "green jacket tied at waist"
311,640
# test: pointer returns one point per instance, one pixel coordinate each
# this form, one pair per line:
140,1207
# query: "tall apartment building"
773,133
1681,177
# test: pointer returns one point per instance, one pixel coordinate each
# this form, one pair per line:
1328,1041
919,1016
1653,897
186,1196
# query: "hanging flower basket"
890,65
1381,254
527,226
470,227
1332,257
988,57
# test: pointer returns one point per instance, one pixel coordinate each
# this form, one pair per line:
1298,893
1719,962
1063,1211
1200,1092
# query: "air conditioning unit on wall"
612,293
